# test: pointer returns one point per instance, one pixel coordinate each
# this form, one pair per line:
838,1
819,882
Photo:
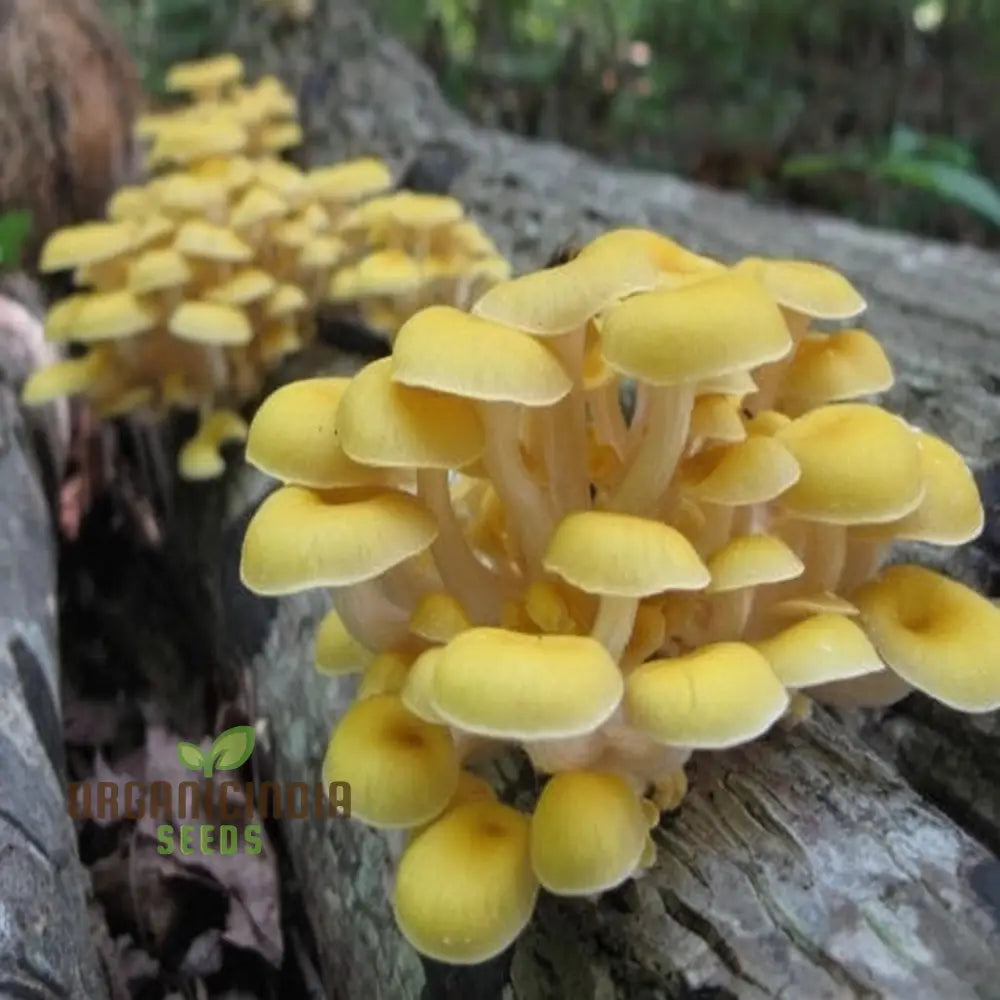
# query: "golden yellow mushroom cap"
248,284
336,650
217,71
716,326
829,368
513,685
197,238
464,888
438,617
950,512
588,832
752,560
63,378
156,270
293,437
445,349
859,465
716,417
818,650
301,538
619,554
385,674
350,181
937,634
384,423
806,287
257,204
210,323
108,316
748,472
402,771
87,243
418,690
716,697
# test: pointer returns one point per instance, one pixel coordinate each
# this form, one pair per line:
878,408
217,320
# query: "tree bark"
802,866
46,948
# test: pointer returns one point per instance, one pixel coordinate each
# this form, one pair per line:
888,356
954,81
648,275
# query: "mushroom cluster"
200,281
517,558
411,250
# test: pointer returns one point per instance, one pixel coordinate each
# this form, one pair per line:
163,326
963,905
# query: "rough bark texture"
46,951
804,866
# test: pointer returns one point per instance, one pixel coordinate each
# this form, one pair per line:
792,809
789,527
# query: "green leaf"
14,229
190,756
963,187
232,748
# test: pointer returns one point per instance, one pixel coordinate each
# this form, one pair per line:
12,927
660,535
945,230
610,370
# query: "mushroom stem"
826,555
664,432
768,377
607,417
862,559
475,586
404,585
565,440
614,622
528,514
369,616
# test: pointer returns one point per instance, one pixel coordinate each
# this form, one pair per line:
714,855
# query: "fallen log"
46,946
801,866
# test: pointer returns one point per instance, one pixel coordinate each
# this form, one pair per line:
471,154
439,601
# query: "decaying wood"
803,866
46,949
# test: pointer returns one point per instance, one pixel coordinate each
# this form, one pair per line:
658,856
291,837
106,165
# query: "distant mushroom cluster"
200,281
516,558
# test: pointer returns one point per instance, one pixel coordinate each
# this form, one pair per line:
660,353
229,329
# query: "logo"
209,816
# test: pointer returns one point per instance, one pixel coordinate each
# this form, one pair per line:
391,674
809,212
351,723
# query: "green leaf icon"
190,756
231,749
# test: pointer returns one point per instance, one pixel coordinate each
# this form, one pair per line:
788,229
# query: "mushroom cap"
828,368
716,417
445,349
128,202
284,178
301,538
336,650
109,316
157,270
186,140
210,323
517,686
285,300
666,254
258,204
417,210
186,192
464,887
200,460
859,465
385,674
938,635
63,378
750,561
387,272
820,603
86,243
402,770
438,617
248,284
718,696
197,238
418,690
204,74
752,471
716,326
322,252
806,287
588,832
950,512
281,136
383,423
818,650
293,437
602,552
350,181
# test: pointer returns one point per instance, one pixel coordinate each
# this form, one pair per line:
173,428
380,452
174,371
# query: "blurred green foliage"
162,32
880,109
14,230
884,110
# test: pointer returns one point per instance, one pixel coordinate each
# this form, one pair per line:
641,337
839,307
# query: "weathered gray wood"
800,867
46,949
